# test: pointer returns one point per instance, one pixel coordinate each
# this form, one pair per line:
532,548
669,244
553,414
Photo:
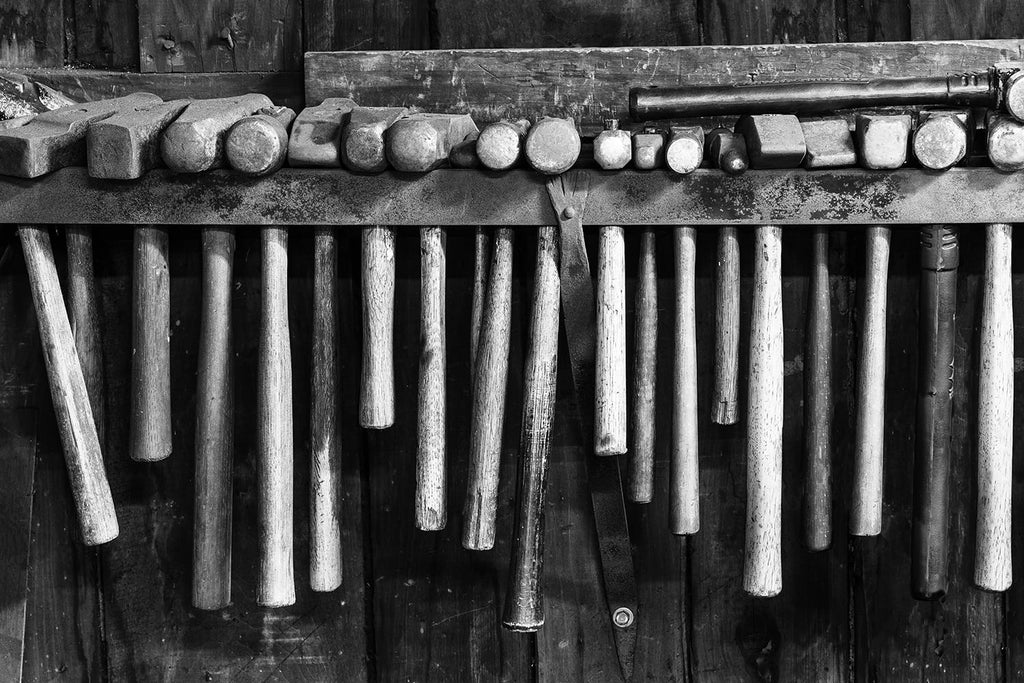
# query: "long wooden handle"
992,560
929,557
818,402
610,356
488,410
377,390
640,480
211,552
869,437
481,267
83,312
82,453
325,472
684,517
275,586
724,405
762,567
524,604
431,448
150,428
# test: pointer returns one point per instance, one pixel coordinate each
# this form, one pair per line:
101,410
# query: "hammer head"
1013,94
882,139
1005,142
773,140
127,145
257,145
553,145
422,142
362,139
727,151
940,140
500,144
685,150
613,147
829,143
648,149
316,133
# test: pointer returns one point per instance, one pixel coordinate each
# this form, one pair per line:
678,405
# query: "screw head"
623,617
569,213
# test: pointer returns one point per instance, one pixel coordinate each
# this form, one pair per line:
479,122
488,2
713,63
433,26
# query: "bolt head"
569,213
623,617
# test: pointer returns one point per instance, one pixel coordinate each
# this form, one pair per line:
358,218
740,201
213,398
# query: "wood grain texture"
874,20
481,268
32,33
610,394
817,495
488,407
684,473
325,551
524,601
220,36
150,434
762,569
83,314
82,451
775,21
725,404
431,444
640,480
992,560
377,388
214,447
275,583
947,20
869,437
106,34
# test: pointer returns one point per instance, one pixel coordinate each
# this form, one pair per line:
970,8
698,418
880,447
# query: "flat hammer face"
829,143
422,142
257,145
362,139
316,134
940,140
773,140
1006,143
883,140
194,142
500,145
685,150
127,145
553,145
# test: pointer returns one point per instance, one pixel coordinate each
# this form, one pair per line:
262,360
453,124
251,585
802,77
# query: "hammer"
431,448
610,352
640,479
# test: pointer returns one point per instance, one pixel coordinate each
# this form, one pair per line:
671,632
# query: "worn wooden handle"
684,517
524,604
869,437
275,586
762,567
377,390
325,444
488,410
724,406
481,266
431,448
929,559
150,428
83,312
818,402
211,553
610,355
640,480
992,560
88,480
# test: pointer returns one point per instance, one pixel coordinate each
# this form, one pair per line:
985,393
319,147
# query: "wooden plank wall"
414,605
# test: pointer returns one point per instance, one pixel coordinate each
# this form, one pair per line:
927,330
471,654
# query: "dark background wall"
416,606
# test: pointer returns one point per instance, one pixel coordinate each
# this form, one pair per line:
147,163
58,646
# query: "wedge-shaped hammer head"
194,142
829,143
362,139
773,140
127,145
316,134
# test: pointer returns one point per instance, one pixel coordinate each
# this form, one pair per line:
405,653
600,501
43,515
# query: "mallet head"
773,140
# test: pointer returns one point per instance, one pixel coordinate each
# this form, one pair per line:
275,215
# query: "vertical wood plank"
735,22
875,20
368,24
31,33
106,34
949,20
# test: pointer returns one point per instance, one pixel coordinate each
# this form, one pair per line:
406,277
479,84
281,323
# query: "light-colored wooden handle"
481,266
488,410
762,565
724,406
610,355
377,390
83,311
992,560
275,585
150,428
640,482
86,474
431,447
325,443
684,491
524,602
869,437
818,402
211,551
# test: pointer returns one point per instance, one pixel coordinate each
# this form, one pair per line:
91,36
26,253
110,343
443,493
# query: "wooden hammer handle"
762,568
150,428
70,397
83,311
524,606
818,402
275,586
325,473
937,335
211,556
481,266
684,517
610,356
727,328
431,448
488,410
992,563
377,391
640,481
869,437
